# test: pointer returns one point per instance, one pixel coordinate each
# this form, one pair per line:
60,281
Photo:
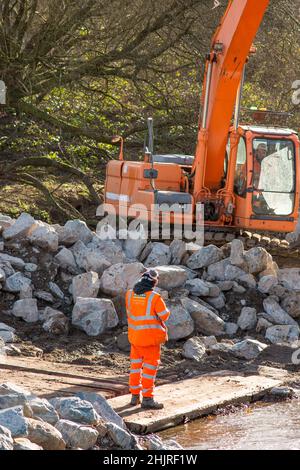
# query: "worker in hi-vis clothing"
146,313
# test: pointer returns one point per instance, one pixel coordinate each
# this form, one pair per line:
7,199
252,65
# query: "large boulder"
103,408
248,349
233,273
76,435
26,309
160,255
85,285
120,306
291,304
75,409
197,287
237,253
44,435
94,316
262,325
276,314
6,440
44,236
7,333
7,260
266,283
13,419
218,302
247,319
22,227
214,290
178,249
272,270
121,437
42,409
122,342
94,261
204,257
6,221
56,290
120,277
2,275
282,334
180,324
16,283
111,250
231,328
11,395
79,251
135,243
206,321
43,295
73,231
290,278
55,322
258,259
171,277
216,271
22,443
66,260
225,286
194,349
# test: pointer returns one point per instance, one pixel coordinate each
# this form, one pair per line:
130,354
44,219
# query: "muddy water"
263,426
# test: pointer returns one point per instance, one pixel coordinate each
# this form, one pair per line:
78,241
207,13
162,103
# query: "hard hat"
151,275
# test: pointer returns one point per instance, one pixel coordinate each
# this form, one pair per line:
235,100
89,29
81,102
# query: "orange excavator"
244,176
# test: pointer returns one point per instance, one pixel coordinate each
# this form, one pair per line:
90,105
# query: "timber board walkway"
192,398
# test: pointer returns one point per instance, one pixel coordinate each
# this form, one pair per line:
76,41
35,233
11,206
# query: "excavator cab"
266,173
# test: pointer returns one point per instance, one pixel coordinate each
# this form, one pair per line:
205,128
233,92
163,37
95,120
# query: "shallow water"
273,426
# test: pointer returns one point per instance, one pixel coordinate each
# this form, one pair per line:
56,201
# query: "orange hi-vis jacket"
146,314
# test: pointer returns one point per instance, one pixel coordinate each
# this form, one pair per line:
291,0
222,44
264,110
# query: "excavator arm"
224,71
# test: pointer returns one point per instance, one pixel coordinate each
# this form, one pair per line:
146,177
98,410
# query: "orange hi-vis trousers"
144,362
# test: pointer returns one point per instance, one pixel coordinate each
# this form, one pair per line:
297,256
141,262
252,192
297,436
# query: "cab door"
241,183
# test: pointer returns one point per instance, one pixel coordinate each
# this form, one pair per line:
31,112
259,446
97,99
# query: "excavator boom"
224,69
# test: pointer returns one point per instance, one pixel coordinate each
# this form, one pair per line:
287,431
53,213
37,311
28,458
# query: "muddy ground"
103,354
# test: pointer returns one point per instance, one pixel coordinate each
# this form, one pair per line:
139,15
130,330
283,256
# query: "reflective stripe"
150,298
146,327
118,197
145,390
141,318
162,313
150,366
136,361
135,371
135,387
148,376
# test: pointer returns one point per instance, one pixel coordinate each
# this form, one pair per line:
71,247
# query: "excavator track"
274,243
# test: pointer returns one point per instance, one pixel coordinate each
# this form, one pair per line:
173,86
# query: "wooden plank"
192,398
49,379
59,369
72,379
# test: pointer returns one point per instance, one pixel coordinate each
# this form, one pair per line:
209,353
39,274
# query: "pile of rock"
86,421
62,275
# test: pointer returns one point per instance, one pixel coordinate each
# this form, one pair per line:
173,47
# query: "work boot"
135,400
149,402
